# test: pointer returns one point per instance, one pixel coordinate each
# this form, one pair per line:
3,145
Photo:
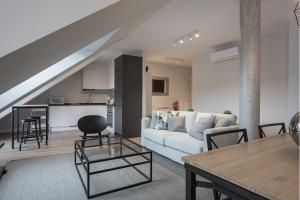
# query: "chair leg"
36,133
23,130
83,140
40,130
108,145
100,138
216,195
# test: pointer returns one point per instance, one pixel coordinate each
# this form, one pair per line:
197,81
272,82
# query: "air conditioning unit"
227,54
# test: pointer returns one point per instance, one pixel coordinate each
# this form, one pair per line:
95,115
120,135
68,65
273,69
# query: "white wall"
179,85
293,89
215,86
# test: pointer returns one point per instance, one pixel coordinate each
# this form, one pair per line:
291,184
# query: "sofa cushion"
176,124
199,115
222,122
201,125
184,143
232,118
190,118
158,136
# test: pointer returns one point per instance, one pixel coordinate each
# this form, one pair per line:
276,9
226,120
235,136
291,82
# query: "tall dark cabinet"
128,95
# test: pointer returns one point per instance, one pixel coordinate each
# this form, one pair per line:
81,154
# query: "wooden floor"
59,143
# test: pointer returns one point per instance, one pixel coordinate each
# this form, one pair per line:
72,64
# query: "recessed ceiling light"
197,35
190,37
181,41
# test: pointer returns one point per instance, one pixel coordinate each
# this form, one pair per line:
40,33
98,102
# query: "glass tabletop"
117,147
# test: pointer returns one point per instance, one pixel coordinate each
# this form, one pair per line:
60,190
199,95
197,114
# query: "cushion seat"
158,136
184,143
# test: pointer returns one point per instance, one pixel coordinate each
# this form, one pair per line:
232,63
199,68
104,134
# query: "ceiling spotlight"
181,41
196,34
190,37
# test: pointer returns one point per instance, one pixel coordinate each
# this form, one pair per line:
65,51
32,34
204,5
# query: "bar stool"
38,119
27,123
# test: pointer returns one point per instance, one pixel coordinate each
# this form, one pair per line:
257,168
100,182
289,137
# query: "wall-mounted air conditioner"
227,54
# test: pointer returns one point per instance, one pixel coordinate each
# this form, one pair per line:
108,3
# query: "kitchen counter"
79,104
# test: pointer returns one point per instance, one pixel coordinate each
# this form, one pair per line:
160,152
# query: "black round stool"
38,119
26,134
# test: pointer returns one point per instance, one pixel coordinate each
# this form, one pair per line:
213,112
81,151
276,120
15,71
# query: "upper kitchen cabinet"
98,76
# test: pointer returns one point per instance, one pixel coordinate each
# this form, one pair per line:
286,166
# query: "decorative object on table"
227,112
294,128
297,13
176,105
190,110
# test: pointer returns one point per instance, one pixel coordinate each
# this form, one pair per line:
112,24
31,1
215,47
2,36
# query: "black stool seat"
26,134
38,118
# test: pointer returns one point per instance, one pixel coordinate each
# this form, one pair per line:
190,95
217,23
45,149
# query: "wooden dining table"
261,169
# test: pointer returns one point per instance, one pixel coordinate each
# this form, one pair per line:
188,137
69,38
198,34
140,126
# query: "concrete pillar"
250,66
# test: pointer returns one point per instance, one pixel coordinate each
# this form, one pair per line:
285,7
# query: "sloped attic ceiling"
27,61
23,22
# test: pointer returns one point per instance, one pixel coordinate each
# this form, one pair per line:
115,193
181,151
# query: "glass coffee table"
113,166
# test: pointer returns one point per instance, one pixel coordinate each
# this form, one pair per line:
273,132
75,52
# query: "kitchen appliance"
57,100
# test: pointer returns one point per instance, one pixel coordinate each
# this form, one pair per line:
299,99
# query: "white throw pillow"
201,125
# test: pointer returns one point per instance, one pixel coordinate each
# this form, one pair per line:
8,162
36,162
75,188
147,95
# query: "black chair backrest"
211,142
92,124
262,134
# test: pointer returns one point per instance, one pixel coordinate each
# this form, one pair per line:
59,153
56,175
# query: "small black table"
93,159
16,109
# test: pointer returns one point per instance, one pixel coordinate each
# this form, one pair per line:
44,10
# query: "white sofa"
175,145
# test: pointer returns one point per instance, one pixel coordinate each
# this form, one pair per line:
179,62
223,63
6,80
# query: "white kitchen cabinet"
62,118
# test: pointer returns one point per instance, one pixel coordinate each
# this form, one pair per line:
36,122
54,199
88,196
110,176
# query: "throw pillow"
222,123
201,125
153,121
176,124
162,120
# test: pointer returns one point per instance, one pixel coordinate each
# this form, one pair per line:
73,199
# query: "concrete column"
250,66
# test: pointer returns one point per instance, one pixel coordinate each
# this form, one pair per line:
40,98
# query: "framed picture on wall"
160,86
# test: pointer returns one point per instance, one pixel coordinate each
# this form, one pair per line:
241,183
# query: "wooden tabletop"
268,167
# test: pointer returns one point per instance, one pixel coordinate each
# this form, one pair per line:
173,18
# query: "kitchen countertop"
79,104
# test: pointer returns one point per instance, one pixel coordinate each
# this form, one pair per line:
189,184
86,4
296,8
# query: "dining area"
263,169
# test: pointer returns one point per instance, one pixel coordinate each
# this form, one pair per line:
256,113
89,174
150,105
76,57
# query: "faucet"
90,98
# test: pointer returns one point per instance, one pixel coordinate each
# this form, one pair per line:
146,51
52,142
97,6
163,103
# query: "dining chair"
262,133
93,124
211,143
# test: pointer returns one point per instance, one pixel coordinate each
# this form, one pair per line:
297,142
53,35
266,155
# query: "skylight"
51,72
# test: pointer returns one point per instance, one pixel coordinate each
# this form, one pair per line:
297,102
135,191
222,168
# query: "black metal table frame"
231,190
85,162
17,109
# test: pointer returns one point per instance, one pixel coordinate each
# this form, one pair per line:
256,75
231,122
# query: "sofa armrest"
145,123
226,141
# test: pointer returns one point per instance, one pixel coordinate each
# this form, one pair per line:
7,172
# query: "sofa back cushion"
201,125
190,118
232,119
176,124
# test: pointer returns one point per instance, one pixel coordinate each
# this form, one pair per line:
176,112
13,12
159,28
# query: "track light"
189,36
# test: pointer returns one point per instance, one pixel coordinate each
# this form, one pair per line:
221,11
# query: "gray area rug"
55,178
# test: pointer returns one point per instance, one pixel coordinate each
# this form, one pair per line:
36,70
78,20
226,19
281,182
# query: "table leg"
47,124
18,124
12,128
190,182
